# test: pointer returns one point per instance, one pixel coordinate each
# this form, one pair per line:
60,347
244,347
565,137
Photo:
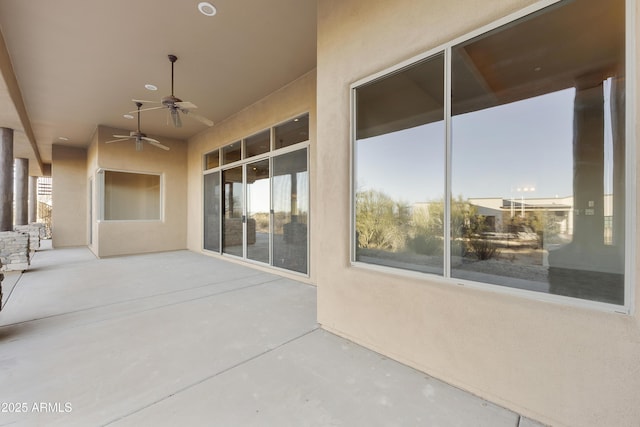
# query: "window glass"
233,201
131,196
258,144
212,211
292,132
399,168
231,153
538,153
212,160
290,210
258,217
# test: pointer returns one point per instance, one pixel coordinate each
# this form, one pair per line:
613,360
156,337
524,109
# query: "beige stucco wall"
284,104
558,364
69,186
129,237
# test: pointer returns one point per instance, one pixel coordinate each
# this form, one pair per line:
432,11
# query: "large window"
399,155
129,196
532,161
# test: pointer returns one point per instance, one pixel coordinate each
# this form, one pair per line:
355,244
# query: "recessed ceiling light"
128,116
207,8
63,138
149,86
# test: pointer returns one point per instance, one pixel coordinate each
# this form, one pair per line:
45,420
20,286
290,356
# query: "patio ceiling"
70,65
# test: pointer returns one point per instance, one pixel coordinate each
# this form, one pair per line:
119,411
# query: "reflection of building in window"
557,210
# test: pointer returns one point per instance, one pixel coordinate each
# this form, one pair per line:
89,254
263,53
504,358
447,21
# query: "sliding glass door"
256,197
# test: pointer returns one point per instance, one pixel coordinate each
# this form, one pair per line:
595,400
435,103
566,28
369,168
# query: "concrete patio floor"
181,339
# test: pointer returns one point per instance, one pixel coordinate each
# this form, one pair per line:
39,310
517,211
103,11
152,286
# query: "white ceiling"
79,63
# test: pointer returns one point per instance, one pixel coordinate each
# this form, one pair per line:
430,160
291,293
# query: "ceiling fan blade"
122,136
199,118
156,143
116,140
146,109
186,105
146,138
146,102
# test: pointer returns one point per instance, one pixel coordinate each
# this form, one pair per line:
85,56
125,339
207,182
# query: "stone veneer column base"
14,251
34,231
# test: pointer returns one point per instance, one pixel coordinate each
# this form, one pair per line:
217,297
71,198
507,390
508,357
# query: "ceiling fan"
176,105
138,136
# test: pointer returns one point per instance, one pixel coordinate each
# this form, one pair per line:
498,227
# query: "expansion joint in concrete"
216,374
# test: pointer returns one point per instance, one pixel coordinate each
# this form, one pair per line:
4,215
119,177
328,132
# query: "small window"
231,153
212,160
131,196
257,144
292,132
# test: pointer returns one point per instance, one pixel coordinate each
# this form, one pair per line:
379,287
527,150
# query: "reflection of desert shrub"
483,249
281,218
380,221
459,248
262,222
425,245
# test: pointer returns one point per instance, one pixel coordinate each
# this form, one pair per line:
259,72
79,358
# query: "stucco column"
586,267
619,169
6,179
22,191
588,157
33,199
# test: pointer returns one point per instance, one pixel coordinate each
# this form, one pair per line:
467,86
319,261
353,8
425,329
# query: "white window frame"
628,308
273,152
100,188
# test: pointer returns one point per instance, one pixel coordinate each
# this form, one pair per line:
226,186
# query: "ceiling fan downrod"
173,60
138,104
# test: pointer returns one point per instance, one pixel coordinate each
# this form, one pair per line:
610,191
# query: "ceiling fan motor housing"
169,101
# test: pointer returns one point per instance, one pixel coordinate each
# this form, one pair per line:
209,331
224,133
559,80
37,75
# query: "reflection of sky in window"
495,151
407,165
282,193
258,194
526,143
